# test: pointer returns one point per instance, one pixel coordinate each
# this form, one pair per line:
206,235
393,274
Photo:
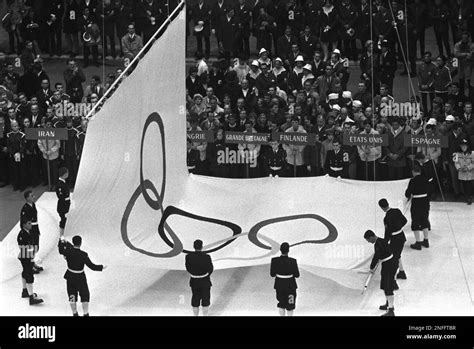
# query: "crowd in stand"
62,27
29,99
297,80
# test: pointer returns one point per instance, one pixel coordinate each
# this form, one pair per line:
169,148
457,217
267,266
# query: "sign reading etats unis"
365,139
46,133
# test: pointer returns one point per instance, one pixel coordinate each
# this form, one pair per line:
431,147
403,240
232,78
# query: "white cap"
357,103
347,94
299,59
349,120
336,51
262,50
431,121
336,107
333,96
449,118
278,59
308,67
255,63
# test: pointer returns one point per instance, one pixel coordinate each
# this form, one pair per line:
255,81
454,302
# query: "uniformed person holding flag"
199,266
285,271
383,254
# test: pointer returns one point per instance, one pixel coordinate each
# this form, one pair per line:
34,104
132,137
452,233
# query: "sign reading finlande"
201,136
246,137
425,141
295,138
362,139
46,133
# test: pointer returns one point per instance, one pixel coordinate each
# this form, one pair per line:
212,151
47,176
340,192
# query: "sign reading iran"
201,136
425,141
365,139
46,133
245,137
295,138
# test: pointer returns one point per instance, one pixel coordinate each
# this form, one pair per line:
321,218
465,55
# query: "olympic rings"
164,230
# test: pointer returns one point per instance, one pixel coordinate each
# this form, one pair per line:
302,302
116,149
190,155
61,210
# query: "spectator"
442,78
328,21
454,140
71,26
369,155
294,153
131,43
440,19
74,77
464,163
464,51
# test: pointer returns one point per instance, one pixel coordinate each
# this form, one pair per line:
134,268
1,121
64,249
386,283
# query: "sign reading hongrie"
201,136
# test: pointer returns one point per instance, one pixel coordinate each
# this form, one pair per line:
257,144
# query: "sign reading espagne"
426,142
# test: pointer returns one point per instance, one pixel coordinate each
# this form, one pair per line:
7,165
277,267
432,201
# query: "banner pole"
47,165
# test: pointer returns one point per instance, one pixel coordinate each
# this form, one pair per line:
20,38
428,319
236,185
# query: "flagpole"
135,59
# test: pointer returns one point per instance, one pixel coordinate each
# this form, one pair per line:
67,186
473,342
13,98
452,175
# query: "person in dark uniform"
383,254
275,159
417,191
26,256
394,221
29,212
64,201
428,169
76,282
192,158
285,271
335,165
388,65
199,266
16,148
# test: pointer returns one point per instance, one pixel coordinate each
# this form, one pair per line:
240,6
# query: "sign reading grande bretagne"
426,142
46,133
295,138
365,139
246,137
201,136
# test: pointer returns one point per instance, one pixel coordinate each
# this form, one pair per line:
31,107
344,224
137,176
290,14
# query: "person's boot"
425,243
384,307
395,286
469,200
35,300
86,314
416,246
401,275
390,312
75,314
24,293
